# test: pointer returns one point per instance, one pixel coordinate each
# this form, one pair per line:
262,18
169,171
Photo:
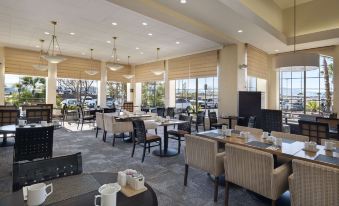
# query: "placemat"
288,141
210,134
259,144
72,186
328,159
235,131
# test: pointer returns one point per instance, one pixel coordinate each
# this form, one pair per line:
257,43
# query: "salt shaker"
122,179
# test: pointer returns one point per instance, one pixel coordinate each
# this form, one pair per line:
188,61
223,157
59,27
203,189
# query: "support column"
138,95
51,84
102,89
229,59
336,79
167,85
272,85
2,76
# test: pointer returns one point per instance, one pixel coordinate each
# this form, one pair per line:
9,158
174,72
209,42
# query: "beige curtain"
117,76
257,62
74,68
143,72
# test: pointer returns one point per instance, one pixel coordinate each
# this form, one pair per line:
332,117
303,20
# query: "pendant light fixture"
298,61
128,76
115,66
52,55
91,71
158,71
41,66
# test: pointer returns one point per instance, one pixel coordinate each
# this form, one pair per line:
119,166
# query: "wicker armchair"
115,127
47,106
32,143
271,120
289,136
254,170
254,131
161,111
313,184
212,116
199,121
83,117
99,118
8,117
334,141
315,130
183,129
202,153
142,138
27,173
7,107
37,115
170,111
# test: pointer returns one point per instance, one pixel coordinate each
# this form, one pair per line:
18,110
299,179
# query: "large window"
24,89
153,94
309,92
116,94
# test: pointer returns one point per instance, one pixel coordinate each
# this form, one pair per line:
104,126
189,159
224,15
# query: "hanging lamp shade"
53,56
128,76
114,66
297,61
91,71
159,71
41,66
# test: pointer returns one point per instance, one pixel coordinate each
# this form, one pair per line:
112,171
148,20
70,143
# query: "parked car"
89,101
212,103
111,103
69,102
182,104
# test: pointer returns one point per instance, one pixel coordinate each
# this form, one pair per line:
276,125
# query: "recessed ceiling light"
178,42
141,52
183,1
150,34
47,33
114,23
108,41
240,31
72,33
144,23
137,48
276,50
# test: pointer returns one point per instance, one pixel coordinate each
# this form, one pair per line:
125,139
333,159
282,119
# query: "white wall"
2,76
102,88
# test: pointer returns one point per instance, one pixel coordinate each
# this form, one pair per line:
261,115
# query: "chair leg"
143,153
82,124
104,136
226,192
273,202
216,184
186,174
197,127
156,131
149,147
96,135
179,144
160,148
78,124
133,149
113,143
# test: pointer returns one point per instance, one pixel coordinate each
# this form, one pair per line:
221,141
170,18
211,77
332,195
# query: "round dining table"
147,198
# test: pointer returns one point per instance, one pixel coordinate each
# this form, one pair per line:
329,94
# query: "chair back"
108,121
212,116
110,110
170,112
271,120
332,123
128,106
200,118
313,184
99,118
161,111
27,173
294,137
315,130
139,130
25,107
185,126
254,131
32,143
37,115
8,117
249,168
7,107
201,153
336,142
47,106
252,121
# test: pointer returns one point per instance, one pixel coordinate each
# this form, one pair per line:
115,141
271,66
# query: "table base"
169,153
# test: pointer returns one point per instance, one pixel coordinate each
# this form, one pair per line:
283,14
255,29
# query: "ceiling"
284,4
23,23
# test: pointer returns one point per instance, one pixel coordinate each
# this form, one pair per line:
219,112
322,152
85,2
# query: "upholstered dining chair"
315,130
115,127
313,184
334,141
254,131
294,137
141,137
99,118
182,130
83,117
199,121
202,153
212,116
254,170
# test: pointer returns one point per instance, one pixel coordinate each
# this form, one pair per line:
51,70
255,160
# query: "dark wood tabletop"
147,198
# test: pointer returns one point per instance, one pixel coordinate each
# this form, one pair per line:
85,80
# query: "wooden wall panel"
257,62
143,72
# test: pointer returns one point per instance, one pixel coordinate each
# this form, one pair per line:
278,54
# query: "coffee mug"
43,123
22,122
329,145
36,194
122,179
278,142
228,132
108,195
265,134
224,127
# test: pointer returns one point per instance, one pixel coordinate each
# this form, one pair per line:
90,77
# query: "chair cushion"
180,133
88,117
152,137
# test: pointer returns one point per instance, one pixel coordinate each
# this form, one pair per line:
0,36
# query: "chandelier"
41,66
91,70
158,71
128,76
52,55
115,66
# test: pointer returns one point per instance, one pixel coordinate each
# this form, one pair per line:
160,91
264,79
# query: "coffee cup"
168,118
108,195
37,194
278,142
228,132
43,123
265,135
224,127
122,179
22,122
329,145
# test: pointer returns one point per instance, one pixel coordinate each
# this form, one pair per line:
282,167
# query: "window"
24,89
251,84
307,92
116,93
153,94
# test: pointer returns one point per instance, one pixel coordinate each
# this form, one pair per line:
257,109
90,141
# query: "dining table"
80,190
289,149
167,152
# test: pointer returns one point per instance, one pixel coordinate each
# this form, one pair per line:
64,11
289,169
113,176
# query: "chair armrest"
279,182
219,163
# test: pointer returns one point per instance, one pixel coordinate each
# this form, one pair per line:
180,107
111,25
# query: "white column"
336,80
229,60
102,89
137,96
129,88
51,84
2,76
167,85
172,93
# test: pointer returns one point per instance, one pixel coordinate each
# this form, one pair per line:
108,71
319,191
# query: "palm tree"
32,82
327,85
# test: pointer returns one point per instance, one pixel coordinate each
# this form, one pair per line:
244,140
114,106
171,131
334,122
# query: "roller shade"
117,76
193,66
257,62
74,68
143,72
20,61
